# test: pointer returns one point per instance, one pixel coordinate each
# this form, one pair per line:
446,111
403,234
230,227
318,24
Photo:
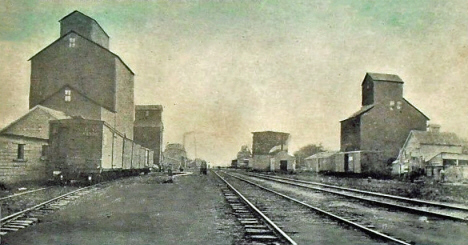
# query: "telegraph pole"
195,137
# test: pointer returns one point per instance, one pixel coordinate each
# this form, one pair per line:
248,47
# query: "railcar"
91,150
203,167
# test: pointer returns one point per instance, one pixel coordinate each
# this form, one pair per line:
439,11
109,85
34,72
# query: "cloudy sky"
227,68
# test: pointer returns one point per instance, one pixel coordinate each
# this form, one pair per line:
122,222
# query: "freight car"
203,167
91,150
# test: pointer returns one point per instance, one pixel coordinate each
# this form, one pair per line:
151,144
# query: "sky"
227,68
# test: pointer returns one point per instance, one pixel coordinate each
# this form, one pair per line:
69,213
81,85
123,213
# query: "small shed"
320,162
455,167
428,150
24,146
243,157
234,163
283,162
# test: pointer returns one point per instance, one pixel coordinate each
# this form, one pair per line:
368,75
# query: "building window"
67,95
20,155
71,42
392,105
45,149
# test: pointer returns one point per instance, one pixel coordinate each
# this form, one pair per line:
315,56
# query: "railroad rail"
27,217
24,193
373,233
439,210
258,226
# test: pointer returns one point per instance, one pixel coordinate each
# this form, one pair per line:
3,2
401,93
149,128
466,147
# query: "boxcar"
83,149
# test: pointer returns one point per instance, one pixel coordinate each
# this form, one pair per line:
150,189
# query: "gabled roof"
78,12
269,132
53,113
324,154
416,108
175,146
436,138
80,93
50,113
384,77
149,107
107,50
363,110
450,155
282,153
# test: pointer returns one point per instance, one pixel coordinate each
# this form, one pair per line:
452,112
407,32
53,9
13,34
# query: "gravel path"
140,210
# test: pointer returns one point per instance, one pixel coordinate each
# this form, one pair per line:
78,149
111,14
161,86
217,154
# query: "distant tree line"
307,151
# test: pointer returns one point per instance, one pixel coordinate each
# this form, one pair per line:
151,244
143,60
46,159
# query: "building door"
272,164
346,162
62,143
284,165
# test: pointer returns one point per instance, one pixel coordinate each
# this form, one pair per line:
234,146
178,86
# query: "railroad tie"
13,226
244,215
257,231
239,207
8,229
33,215
21,222
263,237
2,233
238,204
246,222
50,208
247,219
25,221
255,227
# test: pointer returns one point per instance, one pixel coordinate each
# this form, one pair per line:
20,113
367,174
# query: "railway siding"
258,227
406,226
304,226
442,210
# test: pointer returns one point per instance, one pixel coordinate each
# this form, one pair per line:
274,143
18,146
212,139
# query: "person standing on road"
203,168
442,175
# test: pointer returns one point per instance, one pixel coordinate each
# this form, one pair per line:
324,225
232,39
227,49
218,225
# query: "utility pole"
195,137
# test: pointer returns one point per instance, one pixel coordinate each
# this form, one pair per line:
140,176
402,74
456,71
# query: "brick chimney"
433,128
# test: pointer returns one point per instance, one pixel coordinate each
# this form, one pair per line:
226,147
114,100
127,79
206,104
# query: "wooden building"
270,151
244,157
148,129
455,166
321,162
383,122
24,146
433,151
283,162
234,163
79,75
175,156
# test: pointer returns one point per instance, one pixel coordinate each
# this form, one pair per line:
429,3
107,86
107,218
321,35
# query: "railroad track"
429,208
31,215
24,193
341,218
258,227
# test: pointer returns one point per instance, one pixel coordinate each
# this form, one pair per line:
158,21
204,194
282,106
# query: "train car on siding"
91,150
